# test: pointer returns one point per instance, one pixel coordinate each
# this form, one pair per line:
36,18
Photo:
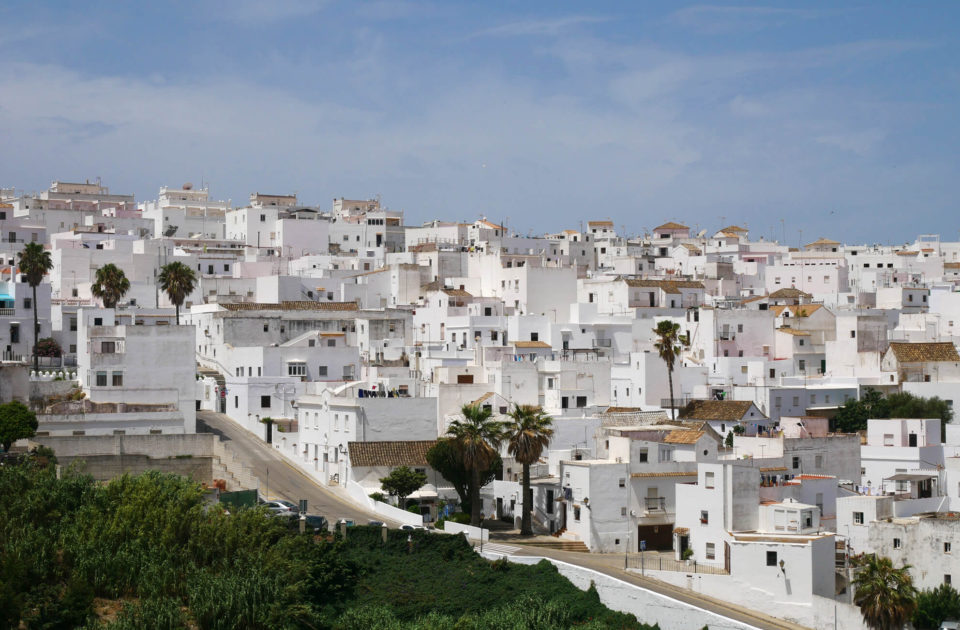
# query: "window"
771,558
896,543
704,517
796,401
711,551
623,511
623,482
739,328
27,303
98,321
263,218
296,369
853,334
118,379
777,401
331,343
265,402
581,401
946,578
858,518
818,462
642,456
947,547
576,513
101,379
708,480
322,370
108,347
73,324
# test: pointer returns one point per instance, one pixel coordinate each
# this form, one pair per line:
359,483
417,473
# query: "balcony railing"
655,504
7,311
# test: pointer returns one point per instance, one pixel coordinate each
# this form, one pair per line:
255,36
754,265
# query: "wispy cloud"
546,28
713,19
255,12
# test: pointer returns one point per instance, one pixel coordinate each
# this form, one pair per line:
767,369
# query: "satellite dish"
188,186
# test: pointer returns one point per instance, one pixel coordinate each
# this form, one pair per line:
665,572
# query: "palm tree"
111,285
528,433
885,595
478,438
177,281
667,339
35,262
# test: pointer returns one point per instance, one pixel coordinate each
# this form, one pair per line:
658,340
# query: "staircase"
559,545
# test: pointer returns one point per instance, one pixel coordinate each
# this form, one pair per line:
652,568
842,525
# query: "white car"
281,508
412,527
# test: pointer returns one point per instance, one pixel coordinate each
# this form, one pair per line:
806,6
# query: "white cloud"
549,28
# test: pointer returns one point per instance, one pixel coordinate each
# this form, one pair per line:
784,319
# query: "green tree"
402,482
853,415
527,433
728,441
177,281
478,438
934,606
885,594
35,262
445,458
668,337
17,422
110,285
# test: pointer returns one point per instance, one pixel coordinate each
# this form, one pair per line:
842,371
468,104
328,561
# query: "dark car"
315,523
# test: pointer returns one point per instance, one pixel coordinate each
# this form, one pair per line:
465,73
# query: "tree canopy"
853,415
17,422
885,594
110,285
934,606
402,482
177,281
445,458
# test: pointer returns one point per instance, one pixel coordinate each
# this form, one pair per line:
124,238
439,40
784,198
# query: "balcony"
9,312
602,343
655,504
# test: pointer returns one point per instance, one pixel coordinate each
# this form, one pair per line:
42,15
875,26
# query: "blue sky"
839,119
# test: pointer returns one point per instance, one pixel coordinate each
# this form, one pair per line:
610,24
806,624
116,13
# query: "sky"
794,120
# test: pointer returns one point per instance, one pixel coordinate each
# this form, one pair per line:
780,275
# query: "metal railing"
663,563
655,504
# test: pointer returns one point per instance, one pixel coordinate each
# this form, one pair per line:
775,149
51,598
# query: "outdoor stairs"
559,545
214,374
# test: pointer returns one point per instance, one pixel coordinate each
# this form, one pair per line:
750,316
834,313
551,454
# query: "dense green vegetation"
148,552
934,606
853,415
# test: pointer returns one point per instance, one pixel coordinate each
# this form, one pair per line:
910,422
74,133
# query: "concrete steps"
559,545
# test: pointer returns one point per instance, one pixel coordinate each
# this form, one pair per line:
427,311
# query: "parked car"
281,508
315,523
348,521
376,523
412,527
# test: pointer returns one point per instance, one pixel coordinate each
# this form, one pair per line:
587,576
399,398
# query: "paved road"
278,478
612,565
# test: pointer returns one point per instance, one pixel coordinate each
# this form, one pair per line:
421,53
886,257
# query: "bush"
379,496
48,347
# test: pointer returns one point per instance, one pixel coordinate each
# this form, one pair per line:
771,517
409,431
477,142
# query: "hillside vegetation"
148,552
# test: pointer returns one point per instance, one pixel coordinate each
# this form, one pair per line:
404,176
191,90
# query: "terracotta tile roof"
532,344
774,469
754,299
489,224
663,474
300,305
610,223
803,310
481,399
734,228
412,453
823,241
683,531
682,437
951,265
423,247
457,293
692,248
794,332
920,352
789,293
623,410
668,286
671,226
728,410
907,253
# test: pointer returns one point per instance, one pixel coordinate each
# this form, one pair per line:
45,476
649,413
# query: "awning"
683,531
918,476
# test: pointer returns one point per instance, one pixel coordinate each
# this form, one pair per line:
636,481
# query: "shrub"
378,496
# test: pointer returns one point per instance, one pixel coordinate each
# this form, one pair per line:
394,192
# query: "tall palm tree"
35,262
668,338
111,284
177,281
478,438
527,434
886,595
